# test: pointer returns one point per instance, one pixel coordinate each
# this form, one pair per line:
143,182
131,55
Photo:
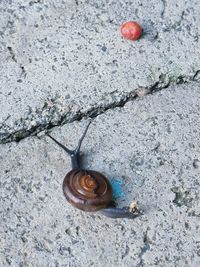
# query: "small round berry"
131,30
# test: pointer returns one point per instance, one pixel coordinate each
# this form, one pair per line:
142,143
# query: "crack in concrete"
17,135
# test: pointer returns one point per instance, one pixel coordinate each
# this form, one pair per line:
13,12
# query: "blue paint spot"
117,189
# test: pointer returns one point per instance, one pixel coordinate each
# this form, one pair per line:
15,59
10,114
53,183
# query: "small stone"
133,207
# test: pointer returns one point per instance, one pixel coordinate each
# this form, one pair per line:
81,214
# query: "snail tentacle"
77,150
69,152
74,154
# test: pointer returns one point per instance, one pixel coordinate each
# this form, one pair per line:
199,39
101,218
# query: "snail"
90,190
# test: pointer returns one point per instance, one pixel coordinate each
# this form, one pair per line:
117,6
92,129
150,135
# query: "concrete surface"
152,145
65,61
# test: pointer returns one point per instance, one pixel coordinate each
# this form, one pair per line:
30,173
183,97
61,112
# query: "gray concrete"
65,59
152,144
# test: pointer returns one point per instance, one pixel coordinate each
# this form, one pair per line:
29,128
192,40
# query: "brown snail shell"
87,190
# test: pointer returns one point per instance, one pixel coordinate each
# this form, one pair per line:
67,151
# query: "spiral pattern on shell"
87,190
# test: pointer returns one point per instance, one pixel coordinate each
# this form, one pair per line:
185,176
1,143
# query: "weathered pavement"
61,61
65,61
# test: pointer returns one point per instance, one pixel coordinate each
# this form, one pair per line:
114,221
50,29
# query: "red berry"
131,30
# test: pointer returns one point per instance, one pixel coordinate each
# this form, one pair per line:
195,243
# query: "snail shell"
87,190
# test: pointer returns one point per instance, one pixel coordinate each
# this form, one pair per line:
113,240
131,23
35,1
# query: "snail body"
90,190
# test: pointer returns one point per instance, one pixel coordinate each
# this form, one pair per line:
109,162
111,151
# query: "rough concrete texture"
64,60
152,144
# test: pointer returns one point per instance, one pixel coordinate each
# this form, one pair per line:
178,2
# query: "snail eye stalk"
74,154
